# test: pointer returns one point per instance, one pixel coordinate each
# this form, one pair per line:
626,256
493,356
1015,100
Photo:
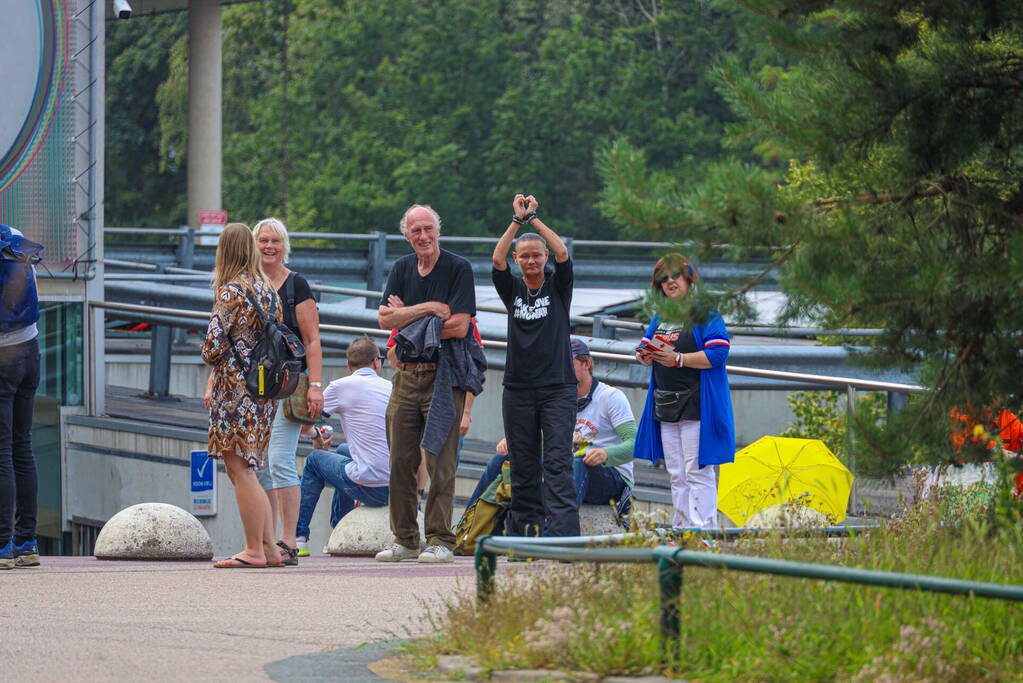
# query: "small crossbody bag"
669,405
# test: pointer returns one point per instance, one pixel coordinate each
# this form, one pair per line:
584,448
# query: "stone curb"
460,668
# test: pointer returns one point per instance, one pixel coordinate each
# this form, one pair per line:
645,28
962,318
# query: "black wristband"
516,219
529,216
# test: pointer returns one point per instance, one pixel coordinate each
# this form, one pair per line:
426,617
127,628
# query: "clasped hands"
522,205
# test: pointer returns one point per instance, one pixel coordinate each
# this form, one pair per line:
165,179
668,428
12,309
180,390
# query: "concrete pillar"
204,108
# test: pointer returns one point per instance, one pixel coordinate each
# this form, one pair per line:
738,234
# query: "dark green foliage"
899,203
337,115
145,185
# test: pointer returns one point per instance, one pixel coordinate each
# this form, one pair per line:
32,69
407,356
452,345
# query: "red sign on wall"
213,218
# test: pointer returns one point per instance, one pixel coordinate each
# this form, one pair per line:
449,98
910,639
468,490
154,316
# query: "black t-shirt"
680,379
449,282
301,292
539,346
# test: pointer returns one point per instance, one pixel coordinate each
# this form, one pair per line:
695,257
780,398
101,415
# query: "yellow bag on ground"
479,519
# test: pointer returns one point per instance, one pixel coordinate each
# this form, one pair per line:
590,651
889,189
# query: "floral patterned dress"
238,422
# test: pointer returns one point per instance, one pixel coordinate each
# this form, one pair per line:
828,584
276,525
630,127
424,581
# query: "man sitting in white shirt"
359,470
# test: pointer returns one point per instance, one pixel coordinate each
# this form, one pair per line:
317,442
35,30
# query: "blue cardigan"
717,427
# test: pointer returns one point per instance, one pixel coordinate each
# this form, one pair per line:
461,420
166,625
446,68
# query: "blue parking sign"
202,471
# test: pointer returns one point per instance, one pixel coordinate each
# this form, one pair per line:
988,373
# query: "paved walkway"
78,618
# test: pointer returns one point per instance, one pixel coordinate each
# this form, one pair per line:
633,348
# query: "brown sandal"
271,551
291,554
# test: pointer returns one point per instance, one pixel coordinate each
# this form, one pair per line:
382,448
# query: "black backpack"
276,361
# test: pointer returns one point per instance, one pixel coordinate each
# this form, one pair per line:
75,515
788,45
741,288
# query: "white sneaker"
436,553
302,544
396,552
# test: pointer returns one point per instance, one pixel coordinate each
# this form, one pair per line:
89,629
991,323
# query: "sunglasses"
664,278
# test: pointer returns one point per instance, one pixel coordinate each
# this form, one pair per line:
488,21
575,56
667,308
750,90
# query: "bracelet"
318,385
529,216
679,362
516,219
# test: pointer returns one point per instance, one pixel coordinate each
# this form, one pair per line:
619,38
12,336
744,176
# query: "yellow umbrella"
775,470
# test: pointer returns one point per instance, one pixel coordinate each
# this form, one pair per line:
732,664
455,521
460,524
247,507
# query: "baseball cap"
579,348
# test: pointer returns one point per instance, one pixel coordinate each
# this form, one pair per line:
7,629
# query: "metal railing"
671,561
173,316
174,273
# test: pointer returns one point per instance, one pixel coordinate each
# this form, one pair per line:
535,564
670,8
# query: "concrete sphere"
366,531
153,531
787,516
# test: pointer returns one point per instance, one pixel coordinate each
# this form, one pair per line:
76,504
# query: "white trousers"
694,491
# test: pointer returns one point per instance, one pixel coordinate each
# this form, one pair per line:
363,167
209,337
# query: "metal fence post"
896,402
486,566
160,361
850,440
185,256
669,578
159,356
600,329
377,262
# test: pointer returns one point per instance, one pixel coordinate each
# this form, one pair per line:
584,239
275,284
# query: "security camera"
122,10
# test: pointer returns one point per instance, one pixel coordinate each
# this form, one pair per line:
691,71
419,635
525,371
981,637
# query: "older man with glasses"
430,296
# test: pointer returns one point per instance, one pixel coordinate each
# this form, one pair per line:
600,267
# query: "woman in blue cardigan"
687,419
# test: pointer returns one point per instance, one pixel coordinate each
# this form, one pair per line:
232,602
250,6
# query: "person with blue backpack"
687,419
19,379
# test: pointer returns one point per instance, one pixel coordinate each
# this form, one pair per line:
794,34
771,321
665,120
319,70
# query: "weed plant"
753,627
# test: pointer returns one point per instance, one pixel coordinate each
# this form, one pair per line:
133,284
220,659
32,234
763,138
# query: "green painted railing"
670,562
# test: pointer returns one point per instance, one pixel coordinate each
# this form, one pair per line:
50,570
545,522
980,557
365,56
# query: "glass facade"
61,383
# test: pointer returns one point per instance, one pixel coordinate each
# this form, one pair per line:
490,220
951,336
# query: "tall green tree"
145,185
339,114
900,205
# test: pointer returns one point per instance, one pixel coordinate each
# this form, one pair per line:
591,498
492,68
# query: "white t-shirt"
23,334
595,424
360,403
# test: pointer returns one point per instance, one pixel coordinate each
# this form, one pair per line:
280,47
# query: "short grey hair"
275,225
530,237
403,223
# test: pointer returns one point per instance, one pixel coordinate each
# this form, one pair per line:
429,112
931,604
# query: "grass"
750,627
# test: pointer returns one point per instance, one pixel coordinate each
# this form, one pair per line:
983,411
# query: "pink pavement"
78,618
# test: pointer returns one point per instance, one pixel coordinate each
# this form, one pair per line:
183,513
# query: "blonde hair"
237,258
275,225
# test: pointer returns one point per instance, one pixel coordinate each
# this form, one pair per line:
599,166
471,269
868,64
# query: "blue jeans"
328,467
280,471
596,485
19,378
593,485
488,477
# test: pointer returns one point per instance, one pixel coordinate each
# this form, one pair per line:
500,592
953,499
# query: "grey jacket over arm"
460,365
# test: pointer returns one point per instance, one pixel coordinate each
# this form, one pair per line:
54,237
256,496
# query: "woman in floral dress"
239,424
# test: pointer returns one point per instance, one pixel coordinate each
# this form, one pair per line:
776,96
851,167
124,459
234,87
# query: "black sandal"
292,554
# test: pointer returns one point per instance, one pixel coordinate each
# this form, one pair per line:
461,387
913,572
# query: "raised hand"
519,206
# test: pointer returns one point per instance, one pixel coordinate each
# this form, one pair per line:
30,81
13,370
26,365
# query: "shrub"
745,627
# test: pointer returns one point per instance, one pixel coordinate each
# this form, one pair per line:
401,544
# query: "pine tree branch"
767,269
930,189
